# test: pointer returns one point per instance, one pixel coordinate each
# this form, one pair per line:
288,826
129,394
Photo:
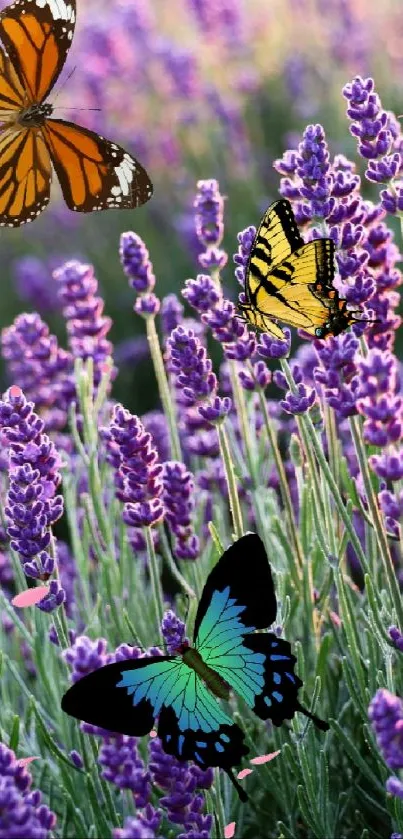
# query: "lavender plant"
123,516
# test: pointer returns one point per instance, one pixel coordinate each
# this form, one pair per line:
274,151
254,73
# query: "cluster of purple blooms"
21,811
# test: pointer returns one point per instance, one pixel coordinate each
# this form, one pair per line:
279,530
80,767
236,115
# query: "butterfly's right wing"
94,173
298,291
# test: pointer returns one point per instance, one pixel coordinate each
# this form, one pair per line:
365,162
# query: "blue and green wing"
128,696
98,698
238,599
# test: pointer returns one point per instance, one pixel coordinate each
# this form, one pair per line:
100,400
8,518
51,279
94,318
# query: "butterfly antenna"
64,83
324,726
240,790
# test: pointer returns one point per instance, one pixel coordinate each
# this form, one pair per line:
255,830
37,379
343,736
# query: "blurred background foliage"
194,89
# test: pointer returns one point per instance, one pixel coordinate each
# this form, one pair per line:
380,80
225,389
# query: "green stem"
377,521
163,387
59,615
284,488
307,427
235,506
171,564
155,577
239,399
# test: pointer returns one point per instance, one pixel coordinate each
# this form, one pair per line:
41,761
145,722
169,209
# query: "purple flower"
143,826
313,168
202,294
173,632
269,347
122,766
241,258
221,316
84,656
21,811
76,758
33,506
139,470
299,402
38,366
147,305
209,220
179,502
136,263
209,206
397,637
377,399
86,324
180,783
369,120
192,369
35,284
155,423
171,313
386,715
394,787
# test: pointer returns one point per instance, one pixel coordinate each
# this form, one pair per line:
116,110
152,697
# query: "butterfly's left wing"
127,697
37,35
25,176
237,599
94,173
98,698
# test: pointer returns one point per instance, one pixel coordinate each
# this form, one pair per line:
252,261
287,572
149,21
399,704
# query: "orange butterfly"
94,173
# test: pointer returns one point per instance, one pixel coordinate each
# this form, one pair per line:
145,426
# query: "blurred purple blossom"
86,325
21,810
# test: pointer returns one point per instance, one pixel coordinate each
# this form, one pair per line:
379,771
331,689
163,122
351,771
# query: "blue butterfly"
183,690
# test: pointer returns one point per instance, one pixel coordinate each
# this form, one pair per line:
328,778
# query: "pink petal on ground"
30,596
24,761
264,758
229,830
243,773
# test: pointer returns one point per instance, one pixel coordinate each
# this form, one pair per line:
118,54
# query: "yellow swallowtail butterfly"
292,281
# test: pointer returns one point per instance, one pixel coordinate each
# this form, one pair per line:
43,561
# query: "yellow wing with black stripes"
286,279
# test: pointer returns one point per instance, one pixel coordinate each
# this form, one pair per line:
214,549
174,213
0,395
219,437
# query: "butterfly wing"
94,173
25,176
237,599
37,35
285,278
127,696
12,93
98,698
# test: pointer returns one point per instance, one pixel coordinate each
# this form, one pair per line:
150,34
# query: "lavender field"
145,426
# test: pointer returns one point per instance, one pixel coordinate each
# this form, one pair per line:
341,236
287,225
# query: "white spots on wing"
124,173
60,10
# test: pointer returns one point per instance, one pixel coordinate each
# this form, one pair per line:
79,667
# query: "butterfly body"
183,691
33,116
214,682
94,173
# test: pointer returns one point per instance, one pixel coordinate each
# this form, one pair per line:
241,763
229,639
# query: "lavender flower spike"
33,506
386,715
209,206
139,473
